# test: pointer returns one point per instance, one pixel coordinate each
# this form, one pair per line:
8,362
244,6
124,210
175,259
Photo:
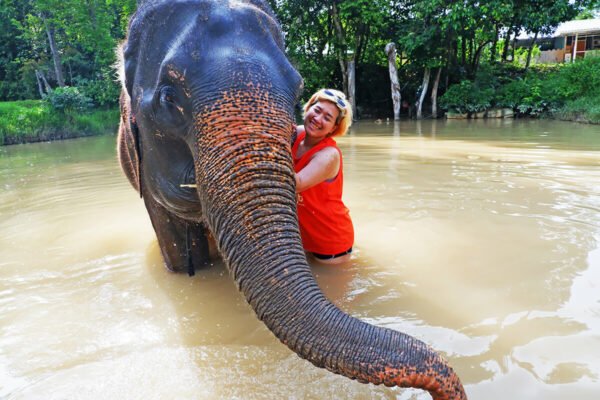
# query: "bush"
68,100
104,91
565,90
97,122
27,118
578,79
528,95
467,97
35,120
512,94
583,109
520,56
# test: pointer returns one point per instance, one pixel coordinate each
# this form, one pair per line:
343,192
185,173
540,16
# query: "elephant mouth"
193,214
185,204
180,196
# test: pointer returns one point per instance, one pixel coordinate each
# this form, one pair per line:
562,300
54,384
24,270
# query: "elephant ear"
128,146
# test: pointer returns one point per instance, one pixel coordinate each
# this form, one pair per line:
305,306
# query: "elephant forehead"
185,32
241,19
168,21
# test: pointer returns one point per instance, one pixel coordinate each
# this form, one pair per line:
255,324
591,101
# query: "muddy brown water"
480,238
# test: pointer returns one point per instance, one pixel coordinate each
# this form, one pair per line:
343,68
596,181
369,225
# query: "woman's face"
320,119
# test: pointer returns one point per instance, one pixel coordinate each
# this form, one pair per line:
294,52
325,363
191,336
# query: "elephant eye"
167,95
167,108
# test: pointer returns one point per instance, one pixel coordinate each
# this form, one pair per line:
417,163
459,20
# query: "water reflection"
480,238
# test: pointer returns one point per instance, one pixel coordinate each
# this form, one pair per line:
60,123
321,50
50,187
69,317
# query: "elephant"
207,119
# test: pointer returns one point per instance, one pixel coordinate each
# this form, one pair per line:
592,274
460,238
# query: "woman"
325,224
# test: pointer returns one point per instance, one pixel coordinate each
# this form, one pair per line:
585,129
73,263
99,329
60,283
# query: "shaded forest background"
61,49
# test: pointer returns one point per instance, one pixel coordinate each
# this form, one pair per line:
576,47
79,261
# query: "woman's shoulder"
329,154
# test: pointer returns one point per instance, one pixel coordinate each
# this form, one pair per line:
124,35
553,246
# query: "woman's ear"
335,128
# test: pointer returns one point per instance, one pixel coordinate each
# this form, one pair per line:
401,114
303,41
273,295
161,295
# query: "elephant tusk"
188,185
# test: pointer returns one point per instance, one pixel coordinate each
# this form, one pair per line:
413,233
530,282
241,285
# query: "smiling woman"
325,223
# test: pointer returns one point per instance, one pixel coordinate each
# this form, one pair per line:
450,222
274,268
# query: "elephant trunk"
246,186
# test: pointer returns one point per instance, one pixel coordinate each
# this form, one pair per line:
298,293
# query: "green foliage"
27,118
97,122
104,91
530,94
583,109
68,100
578,79
512,94
31,120
520,55
459,36
467,97
86,34
321,36
314,76
566,90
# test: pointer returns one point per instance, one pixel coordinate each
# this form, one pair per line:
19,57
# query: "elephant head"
207,119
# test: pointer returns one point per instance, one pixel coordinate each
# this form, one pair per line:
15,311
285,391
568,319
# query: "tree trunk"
361,38
341,47
92,12
530,50
55,55
471,52
39,83
70,71
434,91
423,92
514,43
477,58
390,50
41,79
352,86
494,44
506,44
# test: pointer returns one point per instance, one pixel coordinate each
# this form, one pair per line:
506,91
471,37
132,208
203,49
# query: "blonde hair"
344,120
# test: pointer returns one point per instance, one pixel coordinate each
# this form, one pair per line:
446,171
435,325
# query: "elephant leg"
183,244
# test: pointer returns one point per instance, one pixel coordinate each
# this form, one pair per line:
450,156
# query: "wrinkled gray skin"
207,100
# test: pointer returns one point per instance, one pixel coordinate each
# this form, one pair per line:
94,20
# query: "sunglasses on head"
337,98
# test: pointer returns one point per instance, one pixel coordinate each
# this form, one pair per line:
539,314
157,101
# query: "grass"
584,109
34,121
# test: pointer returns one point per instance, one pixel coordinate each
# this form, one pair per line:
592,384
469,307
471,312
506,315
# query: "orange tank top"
325,223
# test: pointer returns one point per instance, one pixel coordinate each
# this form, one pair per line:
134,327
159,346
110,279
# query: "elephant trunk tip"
439,387
445,386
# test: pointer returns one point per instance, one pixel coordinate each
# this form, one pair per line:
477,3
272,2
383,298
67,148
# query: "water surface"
479,237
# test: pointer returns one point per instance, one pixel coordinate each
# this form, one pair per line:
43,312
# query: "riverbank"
567,91
584,111
34,121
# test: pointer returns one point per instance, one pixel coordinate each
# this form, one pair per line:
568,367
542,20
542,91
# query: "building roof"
579,26
583,26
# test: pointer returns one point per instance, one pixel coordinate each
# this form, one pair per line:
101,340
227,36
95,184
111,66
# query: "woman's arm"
324,165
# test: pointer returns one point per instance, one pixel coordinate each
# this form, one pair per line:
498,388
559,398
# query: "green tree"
323,33
543,16
48,43
12,45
